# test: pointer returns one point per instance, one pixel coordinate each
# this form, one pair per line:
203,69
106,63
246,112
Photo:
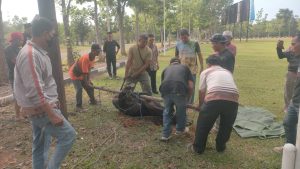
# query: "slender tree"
66,15
3,71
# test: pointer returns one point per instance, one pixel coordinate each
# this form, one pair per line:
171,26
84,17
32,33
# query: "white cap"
227,33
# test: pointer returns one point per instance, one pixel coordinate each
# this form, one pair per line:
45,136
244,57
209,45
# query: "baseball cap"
227,33
218,38
95,47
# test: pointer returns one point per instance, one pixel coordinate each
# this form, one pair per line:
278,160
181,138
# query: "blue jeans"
290,123
43,130
180,102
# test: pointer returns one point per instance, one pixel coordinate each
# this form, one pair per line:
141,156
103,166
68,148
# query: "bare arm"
200,57
190,88
128,64
201,97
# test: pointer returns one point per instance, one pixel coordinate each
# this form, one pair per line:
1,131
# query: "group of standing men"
36,94
218,94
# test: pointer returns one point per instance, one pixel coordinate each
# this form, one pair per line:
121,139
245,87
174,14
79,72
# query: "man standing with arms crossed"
36,92
109,48
188,51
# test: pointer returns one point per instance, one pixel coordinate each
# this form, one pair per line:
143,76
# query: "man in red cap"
11,52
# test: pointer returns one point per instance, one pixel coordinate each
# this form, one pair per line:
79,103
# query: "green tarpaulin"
257,122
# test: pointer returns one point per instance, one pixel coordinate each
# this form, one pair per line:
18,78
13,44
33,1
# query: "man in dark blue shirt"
109,48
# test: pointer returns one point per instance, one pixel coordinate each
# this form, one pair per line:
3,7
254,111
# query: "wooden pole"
47,10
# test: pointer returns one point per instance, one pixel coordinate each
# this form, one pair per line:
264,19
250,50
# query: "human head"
184,35
295,45
109,36
42,32
143,39
213,60
95,51
218,42
228,35
175,60
151,39
16,39
27,28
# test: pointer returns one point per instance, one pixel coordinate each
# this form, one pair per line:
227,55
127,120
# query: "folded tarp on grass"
257,122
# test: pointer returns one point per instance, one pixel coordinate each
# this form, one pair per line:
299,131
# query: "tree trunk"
98,34
137,25
3,70
161,36
120,13
108,17
65,11
47,10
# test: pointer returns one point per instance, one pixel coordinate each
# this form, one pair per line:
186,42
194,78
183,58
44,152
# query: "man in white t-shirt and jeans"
218,96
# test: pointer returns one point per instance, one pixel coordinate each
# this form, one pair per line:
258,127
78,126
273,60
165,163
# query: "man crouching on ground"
36,92
176,89
218,96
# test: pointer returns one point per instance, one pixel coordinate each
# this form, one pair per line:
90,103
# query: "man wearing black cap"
176,88
218,96
218,42
79,74
188,51
109,48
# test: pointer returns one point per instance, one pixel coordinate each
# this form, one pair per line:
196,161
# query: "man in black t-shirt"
109,48
11,53
176,89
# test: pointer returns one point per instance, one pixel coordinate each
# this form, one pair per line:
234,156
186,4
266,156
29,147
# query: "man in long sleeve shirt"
290,81
36,92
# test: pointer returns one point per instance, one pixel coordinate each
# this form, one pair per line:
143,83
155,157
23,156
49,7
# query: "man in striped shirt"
218,96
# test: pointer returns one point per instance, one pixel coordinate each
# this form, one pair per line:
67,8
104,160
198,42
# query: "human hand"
280,44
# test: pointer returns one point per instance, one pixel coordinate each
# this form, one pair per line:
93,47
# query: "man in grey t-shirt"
176,88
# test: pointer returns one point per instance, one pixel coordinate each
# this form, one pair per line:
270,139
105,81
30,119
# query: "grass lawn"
108,139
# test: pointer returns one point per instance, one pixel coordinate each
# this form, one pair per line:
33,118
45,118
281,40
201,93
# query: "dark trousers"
209,112
111,61
152,74
79,84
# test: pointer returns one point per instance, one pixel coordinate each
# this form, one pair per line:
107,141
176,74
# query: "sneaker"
278,149
110,77
116,77
179,133
80,109
95,102
163,138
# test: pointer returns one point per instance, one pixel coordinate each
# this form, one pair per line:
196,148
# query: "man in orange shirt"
79,74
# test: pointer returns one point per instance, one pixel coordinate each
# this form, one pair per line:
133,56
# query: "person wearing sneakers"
111,49
218,96
176,89
79,74
291,117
